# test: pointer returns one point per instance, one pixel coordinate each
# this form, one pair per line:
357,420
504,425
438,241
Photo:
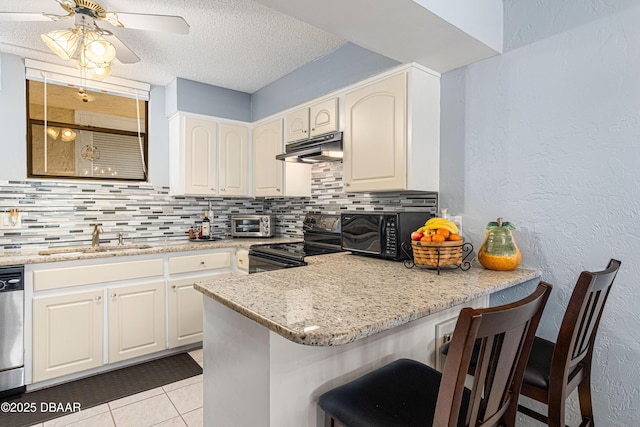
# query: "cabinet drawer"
91,274
242,259
185,264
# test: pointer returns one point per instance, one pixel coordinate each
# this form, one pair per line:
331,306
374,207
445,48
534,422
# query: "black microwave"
380,234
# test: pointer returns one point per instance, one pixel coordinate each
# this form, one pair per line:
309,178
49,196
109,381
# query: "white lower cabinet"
183,301
90,314
242,261
67,333
136,320
185,310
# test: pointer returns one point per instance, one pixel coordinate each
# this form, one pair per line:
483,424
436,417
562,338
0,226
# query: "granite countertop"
33,256
340,298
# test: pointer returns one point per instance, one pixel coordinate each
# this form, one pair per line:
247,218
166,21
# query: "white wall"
548,137
480,19
13,121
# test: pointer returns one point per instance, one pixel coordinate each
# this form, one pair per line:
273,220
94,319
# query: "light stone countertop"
32,256
340,298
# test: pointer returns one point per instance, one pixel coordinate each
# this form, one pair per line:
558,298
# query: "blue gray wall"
201,98
546,136
344,66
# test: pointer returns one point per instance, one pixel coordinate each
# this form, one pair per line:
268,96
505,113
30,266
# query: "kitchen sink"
91,249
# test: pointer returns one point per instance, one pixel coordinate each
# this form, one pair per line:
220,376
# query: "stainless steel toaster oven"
254,225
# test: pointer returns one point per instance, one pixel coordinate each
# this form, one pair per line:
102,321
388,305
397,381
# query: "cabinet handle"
241,261
114,295
346,184
202,263
313,128
98,298
277,189
222,189
173,287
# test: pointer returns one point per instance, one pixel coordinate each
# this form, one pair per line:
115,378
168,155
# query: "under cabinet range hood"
324,148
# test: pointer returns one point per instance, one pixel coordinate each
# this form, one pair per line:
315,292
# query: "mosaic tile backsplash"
63,213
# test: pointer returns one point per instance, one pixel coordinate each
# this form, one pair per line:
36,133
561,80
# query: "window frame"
30,122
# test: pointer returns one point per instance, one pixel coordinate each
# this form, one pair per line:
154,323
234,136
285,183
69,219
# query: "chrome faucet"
95,235
120,238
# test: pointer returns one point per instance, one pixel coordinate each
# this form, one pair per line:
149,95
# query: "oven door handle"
273,261
278,263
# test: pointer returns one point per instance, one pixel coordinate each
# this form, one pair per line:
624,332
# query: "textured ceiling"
237,44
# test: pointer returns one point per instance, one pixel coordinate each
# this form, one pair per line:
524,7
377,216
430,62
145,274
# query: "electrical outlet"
444,332
9,221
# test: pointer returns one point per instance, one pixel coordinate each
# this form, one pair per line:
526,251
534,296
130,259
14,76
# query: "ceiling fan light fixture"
93,70
97,73
97,49
62,42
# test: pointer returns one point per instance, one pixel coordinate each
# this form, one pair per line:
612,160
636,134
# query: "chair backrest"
506,334
580,322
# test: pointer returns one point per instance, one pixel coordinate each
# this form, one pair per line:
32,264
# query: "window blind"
119,157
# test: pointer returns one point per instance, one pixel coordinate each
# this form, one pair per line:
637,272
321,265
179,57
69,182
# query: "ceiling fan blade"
25,17
123,53
163,23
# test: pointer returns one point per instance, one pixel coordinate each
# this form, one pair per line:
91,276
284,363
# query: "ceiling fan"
98,46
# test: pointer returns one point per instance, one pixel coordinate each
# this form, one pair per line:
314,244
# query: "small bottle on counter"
206,226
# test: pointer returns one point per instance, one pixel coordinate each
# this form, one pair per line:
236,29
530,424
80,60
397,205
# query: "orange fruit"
455,237
438,238
426,238
443,231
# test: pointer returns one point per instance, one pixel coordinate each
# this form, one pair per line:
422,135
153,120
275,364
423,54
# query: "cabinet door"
136,320
375,136
324,117
234,160
199,156
297,125
67,333
242,262
267,171
185,310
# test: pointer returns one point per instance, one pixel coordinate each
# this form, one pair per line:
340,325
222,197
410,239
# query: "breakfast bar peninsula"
275,341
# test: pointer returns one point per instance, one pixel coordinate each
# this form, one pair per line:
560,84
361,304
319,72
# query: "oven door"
363,232
263,262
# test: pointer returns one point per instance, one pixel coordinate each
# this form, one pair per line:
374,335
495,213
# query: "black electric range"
321,236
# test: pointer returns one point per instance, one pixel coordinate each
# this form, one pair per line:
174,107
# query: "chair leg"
556,412
584,396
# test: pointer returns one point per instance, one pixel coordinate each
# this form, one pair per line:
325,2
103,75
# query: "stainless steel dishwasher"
12,330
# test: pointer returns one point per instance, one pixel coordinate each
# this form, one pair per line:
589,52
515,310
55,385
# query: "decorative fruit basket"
437,245
437,254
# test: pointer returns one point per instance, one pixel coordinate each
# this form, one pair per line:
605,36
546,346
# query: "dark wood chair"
408,393
556,369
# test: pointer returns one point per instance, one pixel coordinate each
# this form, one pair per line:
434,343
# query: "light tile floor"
173,405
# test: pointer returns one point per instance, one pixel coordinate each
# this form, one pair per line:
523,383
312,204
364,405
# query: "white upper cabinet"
234,160
297,125
275,178
323,117
208,157
267,171
193,157
312,121
392,134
